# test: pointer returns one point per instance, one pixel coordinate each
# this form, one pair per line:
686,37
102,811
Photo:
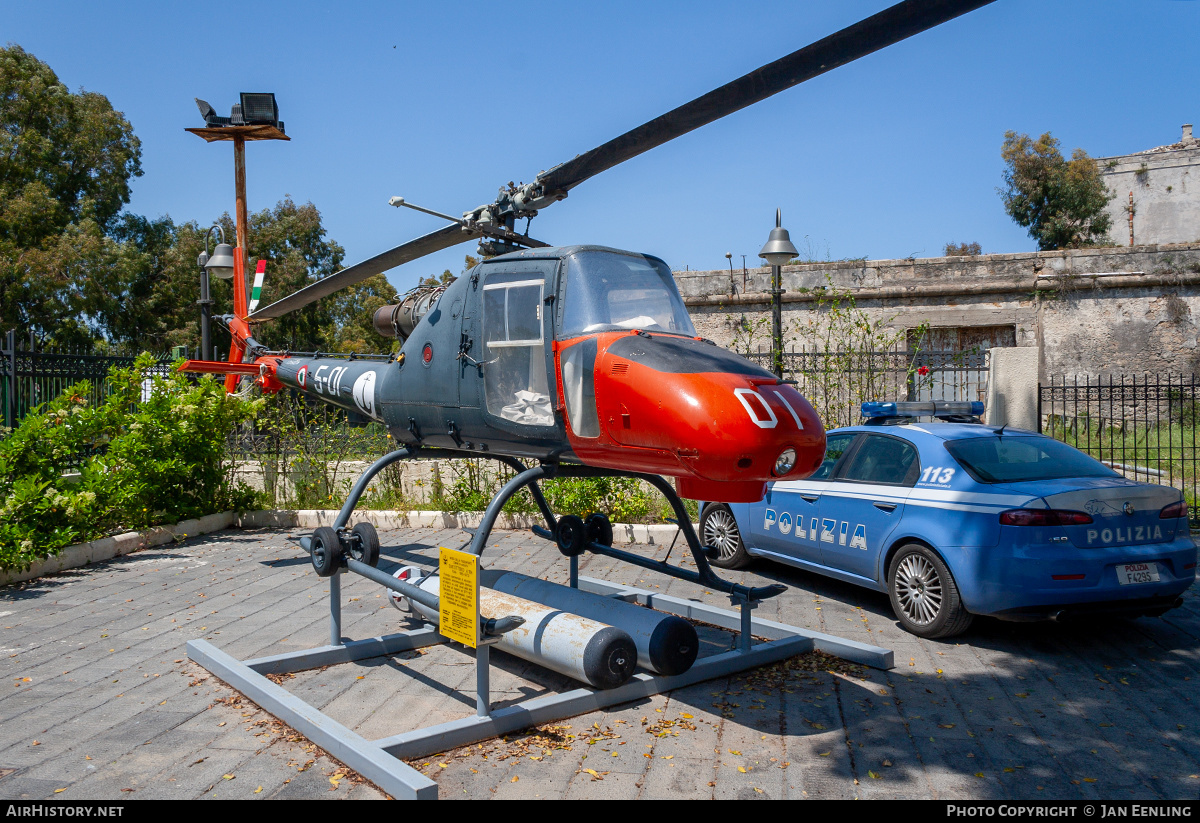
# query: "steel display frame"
380,761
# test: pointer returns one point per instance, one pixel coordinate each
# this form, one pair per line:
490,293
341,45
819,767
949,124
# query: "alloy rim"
919,589
720,532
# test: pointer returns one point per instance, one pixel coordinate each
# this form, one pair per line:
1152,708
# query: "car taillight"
1179,509
1043,517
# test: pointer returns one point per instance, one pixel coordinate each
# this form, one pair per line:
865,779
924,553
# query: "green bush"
157,460
623,499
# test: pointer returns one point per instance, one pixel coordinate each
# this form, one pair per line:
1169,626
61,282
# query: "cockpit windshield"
606,292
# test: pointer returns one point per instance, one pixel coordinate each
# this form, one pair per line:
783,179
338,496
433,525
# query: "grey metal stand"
379,760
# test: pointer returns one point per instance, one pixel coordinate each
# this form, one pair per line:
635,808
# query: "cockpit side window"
515,385
604,291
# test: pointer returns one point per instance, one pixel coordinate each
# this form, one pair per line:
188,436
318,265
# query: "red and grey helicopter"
579,359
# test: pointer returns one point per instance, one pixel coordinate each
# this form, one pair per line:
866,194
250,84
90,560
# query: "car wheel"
924,594
719,529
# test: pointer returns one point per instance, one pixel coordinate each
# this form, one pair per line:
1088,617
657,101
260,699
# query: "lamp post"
219,265
778,251
732,287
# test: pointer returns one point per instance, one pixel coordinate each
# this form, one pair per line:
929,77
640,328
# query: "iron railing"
1144,426
29,377
837,383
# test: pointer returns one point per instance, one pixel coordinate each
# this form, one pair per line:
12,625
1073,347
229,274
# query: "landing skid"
572,536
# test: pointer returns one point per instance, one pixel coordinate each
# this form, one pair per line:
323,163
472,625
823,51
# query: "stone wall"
1088,311
415,479
1166,196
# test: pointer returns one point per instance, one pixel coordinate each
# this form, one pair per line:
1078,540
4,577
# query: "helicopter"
580,358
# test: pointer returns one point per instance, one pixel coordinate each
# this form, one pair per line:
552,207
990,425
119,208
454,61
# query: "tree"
292,240
350,312
66,160
962,250
1061,202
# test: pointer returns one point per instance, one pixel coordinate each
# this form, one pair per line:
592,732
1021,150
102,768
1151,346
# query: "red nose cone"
690,410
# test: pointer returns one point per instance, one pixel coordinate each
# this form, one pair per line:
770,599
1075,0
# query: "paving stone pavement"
101,701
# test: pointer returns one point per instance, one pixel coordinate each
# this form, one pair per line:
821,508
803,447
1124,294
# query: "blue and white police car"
954,519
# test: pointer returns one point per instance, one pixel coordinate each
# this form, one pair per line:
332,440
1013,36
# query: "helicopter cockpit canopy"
607,291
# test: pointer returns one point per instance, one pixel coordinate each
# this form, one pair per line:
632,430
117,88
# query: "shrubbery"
157,460
624,499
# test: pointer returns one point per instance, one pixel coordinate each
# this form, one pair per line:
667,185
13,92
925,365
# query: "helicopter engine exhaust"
578,647
399,319
666,644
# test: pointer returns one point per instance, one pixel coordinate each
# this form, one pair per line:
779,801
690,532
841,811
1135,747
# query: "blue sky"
891,156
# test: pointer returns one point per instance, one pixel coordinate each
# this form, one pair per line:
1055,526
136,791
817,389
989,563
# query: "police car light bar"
931,408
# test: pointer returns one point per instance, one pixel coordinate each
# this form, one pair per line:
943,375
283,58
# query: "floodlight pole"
239,185
238,135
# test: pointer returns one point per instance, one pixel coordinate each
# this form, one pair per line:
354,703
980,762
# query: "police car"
954,519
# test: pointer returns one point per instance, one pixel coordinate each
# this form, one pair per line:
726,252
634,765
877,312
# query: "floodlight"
259,109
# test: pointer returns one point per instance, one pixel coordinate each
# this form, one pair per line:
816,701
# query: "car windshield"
606,291
1008,459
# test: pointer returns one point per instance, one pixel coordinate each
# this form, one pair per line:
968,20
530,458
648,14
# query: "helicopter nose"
728,425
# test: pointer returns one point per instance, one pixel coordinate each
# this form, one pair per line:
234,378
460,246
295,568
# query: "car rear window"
1008,459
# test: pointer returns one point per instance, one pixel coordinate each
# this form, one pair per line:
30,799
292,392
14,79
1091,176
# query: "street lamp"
777,252
732,288
219,265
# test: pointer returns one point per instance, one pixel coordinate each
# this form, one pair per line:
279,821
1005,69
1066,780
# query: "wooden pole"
239,182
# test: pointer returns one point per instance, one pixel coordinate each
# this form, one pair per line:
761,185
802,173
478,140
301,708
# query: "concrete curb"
106,548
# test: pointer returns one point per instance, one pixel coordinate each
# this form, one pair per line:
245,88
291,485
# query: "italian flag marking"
256,293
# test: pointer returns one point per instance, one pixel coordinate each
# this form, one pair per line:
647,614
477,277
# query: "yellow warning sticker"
458,599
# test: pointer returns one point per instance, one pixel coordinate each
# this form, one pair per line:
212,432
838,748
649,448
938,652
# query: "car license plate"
1130,573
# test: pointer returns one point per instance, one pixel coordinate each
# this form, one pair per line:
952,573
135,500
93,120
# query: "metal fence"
837,383
1142,426
29,377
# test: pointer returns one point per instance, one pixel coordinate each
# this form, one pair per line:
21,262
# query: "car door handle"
885,507
810,498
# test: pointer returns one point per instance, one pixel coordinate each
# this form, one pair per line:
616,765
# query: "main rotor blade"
451,235
889,26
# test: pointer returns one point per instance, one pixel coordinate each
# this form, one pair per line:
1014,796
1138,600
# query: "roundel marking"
364,393
302,377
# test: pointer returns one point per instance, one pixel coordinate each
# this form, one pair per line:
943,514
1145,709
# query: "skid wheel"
366,548
571,535
325,551
599,529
